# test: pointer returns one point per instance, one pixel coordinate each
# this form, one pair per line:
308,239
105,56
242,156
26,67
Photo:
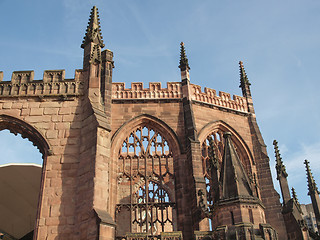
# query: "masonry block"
22,77
53,75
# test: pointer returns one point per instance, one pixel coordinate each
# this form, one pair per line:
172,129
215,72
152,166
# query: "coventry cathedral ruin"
146,162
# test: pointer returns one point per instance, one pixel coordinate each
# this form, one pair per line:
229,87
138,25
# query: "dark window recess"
232,218
251,215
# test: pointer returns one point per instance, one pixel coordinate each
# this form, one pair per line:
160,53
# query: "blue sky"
278,41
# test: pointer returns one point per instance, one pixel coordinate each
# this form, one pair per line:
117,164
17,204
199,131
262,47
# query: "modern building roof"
19,188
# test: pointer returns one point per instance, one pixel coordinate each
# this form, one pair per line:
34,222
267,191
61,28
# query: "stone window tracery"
146,196
212,153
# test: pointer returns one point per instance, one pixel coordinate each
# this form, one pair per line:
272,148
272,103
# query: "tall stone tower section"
193,157
69,120
94,166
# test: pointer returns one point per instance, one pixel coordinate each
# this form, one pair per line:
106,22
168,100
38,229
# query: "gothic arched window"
146,196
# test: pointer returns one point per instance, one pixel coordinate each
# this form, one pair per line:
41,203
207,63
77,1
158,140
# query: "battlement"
174,91
53,83
155,91
224,99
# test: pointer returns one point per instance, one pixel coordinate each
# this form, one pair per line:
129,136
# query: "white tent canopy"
19,193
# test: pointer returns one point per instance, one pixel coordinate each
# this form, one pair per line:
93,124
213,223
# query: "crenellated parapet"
155,91
224,99
174,91
22,77
53,84
53,75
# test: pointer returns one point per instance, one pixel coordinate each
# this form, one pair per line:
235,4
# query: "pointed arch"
236,138
212,151
151,121
145,150
15,126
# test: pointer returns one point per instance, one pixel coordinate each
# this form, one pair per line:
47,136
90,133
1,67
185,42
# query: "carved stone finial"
244,82
312,186
294,194
281,169
184,65
243,76
295,198
93,33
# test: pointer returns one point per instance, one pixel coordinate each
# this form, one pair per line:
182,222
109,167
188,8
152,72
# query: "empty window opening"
20,177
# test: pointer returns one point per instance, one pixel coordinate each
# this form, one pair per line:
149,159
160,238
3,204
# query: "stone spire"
187,95
312,186
92,41
184,65
314,193
183,58
295,198
244,81
281,175
93,33
245,87
234,180
281,169
294,194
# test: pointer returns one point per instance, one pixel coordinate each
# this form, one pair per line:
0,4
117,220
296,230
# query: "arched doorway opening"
23,150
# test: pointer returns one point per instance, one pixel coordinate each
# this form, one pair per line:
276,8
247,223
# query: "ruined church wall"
59,122
79,175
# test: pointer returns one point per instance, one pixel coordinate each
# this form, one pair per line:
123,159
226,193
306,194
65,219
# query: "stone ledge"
104,217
